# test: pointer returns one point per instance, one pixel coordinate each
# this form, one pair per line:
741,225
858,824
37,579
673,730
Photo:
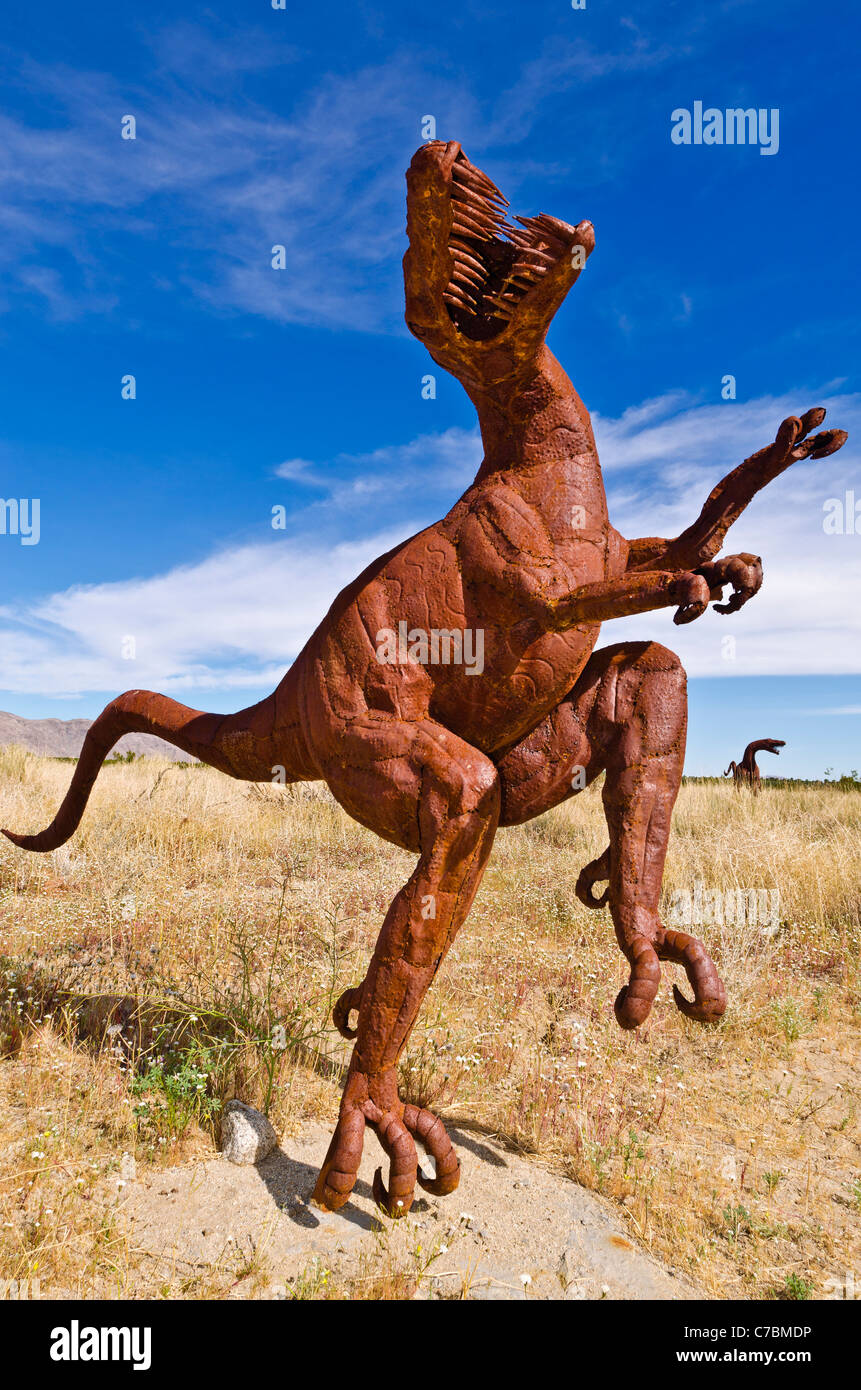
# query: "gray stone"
246,1134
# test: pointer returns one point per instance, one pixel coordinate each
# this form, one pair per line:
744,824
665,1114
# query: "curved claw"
593,873
351,999
635,999
397,1199
812,419
689,613
709,1002
432,1132
341,1165
819,446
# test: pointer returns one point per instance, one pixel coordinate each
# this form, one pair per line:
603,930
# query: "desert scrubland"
187,944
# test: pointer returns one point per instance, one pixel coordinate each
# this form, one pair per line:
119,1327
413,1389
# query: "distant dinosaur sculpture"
433,753
746,773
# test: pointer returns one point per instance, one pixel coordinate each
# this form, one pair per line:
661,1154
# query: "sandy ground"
512,1230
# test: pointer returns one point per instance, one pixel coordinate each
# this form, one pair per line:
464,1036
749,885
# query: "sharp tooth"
453,296
468,277
467,177
464,255
476,207
479,211
530,269
542,231
541,258
466,225
481,178
557,228
520,240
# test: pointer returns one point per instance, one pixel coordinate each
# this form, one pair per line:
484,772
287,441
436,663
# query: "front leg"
426,780
631,593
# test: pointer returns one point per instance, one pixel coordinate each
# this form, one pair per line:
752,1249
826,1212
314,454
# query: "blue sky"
301,388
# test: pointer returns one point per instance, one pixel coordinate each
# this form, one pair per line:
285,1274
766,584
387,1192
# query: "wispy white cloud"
662,459
237,619
221,178
221,183
833,710
429,465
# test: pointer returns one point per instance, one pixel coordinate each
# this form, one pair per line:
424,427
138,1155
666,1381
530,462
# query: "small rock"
128,1168
246,1135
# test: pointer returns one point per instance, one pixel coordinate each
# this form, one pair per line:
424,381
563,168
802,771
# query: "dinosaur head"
770,745
480,290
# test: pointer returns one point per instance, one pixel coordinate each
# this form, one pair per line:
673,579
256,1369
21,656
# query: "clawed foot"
635,999
374,1101
743,572
691,592
709,1001
794,440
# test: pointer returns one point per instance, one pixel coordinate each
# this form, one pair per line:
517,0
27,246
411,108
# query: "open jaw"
472,273
494,263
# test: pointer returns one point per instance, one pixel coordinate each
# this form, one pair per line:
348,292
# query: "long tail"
244,745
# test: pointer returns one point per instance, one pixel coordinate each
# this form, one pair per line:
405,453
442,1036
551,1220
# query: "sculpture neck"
537,419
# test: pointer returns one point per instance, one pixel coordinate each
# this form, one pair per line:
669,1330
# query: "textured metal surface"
434,755
746,773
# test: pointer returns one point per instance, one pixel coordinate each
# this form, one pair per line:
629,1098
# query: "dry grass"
239,912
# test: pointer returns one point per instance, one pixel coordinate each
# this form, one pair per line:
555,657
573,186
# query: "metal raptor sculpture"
746,773
432,757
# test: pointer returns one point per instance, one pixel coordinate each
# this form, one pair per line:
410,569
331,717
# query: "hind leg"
426,789
627,715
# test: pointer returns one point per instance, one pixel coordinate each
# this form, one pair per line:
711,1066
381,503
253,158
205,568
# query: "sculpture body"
434,756
746,773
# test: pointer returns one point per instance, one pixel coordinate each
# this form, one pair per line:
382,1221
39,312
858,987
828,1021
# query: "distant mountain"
63,738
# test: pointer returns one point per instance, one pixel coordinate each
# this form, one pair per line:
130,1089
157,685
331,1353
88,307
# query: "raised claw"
397,1199
795,441
819,446
635,999
433,1134
691,592
709,1002
812,418
337,1176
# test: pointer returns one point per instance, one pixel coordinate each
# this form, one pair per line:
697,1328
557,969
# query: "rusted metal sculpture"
431,753
746,773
